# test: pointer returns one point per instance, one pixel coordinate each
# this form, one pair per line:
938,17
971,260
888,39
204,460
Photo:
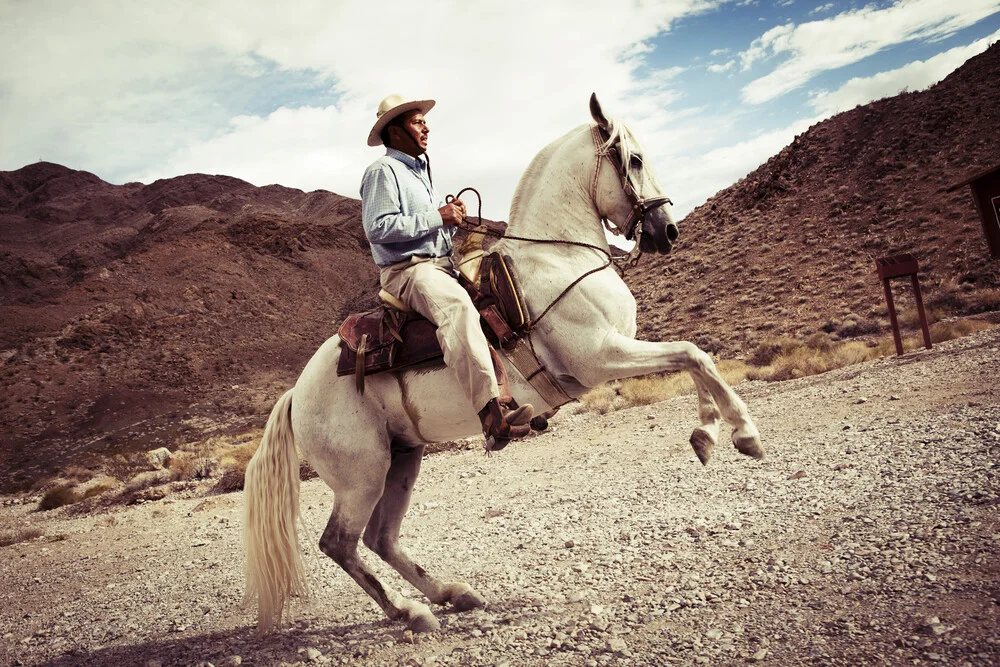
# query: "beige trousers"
428,285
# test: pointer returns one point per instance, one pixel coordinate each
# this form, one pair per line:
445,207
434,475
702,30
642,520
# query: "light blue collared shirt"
399,210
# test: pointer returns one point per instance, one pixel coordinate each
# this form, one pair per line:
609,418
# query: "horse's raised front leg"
705,437
351,511
624,357
382,534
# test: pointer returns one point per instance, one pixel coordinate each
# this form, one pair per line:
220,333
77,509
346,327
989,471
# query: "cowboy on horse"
410,229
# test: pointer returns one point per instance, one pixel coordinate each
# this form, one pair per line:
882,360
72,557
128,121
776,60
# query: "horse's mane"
621,133
618,131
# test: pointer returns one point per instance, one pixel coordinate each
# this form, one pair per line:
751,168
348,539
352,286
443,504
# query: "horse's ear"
596,113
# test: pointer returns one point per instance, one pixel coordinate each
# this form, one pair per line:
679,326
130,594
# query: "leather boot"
518,415
497,429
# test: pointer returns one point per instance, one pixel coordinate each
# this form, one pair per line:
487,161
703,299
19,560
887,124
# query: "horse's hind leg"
382,534
705,437
351,511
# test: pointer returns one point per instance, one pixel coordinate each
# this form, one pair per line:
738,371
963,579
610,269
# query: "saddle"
394,337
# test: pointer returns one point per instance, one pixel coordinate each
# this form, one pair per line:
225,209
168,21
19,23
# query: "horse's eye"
636,162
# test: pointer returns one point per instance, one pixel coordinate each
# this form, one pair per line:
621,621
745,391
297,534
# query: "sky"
286,93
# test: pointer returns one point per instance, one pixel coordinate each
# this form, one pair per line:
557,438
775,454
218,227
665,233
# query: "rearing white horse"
368,447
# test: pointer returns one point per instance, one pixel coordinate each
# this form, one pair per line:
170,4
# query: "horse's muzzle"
658,235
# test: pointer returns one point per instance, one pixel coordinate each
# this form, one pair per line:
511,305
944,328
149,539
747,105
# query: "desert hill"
131,310
790,249
138,315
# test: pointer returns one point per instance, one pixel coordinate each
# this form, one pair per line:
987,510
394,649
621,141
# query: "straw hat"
390,108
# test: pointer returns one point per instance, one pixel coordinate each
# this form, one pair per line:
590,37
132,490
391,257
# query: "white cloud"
725,67
818,46
914,76
145,89
822,9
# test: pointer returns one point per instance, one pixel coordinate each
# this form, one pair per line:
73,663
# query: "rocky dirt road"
869,535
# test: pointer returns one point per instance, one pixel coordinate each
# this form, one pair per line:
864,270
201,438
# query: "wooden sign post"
900,266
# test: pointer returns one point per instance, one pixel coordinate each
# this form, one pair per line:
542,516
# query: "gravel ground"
869,535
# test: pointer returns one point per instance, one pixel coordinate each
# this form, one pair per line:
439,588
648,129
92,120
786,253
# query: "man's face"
414,124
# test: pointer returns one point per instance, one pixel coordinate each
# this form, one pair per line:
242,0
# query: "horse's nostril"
672,232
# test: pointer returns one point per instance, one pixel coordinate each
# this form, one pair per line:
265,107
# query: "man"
410,229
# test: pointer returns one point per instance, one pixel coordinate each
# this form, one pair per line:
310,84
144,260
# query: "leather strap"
359,370
526,362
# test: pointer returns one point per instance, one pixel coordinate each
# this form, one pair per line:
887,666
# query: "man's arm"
381,212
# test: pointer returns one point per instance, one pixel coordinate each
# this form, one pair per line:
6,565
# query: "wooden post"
898,266
892,317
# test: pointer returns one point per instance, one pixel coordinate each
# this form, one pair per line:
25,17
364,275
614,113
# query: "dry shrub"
9,537
100,487
600,399
983,301
78,474
942,331
150,478
770,349
653,389
187,466
854,326
63,494
231,480
816,355
237,457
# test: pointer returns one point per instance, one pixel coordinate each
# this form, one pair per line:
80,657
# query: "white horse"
368,447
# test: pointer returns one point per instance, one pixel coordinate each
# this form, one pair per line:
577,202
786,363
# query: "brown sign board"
986,195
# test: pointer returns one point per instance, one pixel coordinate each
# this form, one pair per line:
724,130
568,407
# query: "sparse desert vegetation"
776,358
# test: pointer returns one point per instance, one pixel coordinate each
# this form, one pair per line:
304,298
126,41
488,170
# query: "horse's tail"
274,570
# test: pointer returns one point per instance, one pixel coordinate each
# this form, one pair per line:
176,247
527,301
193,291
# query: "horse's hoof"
468,601
539,423
424,623
749,445
703,443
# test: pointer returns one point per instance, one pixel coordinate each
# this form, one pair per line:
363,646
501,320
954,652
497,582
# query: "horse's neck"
553,200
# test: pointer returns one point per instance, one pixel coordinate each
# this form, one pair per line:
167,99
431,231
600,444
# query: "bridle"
632,228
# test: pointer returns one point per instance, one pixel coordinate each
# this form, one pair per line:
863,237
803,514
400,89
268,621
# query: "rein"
632,227
609,260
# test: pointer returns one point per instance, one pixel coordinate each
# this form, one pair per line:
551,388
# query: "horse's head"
627,194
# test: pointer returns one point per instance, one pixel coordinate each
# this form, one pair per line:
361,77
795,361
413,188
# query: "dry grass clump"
601,399
187,466
58,496
786,358
775,359
236,457
651,389
942,331
97,488
9,537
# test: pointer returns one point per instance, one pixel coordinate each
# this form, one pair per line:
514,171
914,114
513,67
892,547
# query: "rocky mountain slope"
131,310
138,315
790,249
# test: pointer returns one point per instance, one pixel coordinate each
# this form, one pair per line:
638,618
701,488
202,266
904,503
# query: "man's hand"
452,213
